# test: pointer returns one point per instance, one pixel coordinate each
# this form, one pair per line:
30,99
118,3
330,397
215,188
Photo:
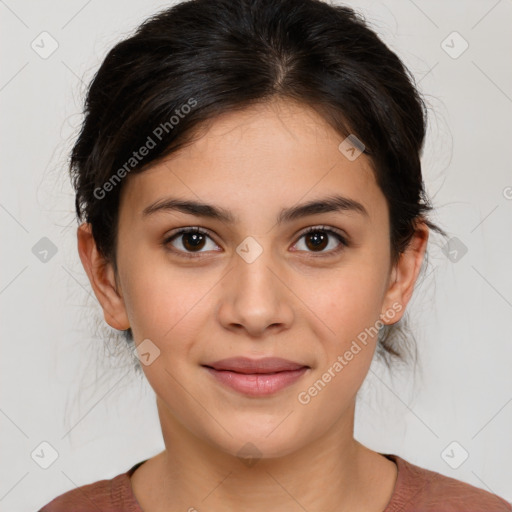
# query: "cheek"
159,299
349,300
349,305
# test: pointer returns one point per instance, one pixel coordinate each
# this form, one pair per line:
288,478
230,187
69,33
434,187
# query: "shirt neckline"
394,504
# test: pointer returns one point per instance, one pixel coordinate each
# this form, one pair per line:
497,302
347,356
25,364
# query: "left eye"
317,239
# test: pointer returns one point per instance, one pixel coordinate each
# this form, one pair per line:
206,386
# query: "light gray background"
61,386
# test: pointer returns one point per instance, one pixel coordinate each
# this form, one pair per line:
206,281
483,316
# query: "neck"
192,474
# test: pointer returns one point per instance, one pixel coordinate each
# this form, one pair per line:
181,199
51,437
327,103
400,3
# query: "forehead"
265,156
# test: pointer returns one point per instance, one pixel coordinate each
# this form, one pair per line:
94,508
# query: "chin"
253,443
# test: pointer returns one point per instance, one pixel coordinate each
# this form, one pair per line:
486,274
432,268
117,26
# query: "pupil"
193,240
319,240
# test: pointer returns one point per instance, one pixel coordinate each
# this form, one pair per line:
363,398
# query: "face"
251,282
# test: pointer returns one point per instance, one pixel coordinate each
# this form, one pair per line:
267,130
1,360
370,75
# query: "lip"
248,365
256,377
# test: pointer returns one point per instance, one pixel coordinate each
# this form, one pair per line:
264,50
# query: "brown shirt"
416,490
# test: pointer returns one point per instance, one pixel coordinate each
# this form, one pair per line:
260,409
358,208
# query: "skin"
293,301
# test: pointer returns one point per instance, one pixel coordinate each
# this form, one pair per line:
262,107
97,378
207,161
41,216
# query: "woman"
255,221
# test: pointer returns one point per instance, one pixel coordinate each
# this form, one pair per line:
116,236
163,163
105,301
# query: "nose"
255,297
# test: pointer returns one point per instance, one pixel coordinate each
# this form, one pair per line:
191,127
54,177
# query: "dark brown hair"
200,58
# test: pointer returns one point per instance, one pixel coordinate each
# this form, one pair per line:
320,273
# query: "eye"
318,238
189,241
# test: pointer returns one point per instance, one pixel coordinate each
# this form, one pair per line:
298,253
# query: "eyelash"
314,229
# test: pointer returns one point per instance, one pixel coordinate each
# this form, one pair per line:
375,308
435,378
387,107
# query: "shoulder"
113,495
421,490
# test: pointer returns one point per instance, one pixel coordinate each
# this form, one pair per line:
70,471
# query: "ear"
404,275
102,277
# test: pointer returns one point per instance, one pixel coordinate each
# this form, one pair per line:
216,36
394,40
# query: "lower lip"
258,384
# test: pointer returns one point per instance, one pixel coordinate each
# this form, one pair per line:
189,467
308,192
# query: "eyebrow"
333,203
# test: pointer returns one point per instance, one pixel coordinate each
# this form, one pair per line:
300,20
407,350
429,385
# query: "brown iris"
319,240
193,241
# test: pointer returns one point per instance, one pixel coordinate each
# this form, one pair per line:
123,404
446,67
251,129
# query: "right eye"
191,240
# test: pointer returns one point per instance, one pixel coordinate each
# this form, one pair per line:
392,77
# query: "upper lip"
248,365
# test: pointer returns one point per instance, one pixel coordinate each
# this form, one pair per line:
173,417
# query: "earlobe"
102,278
405,274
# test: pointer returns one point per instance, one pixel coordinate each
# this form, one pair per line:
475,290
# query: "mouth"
256,377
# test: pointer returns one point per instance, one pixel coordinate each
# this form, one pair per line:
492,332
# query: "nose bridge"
254,280
254,297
